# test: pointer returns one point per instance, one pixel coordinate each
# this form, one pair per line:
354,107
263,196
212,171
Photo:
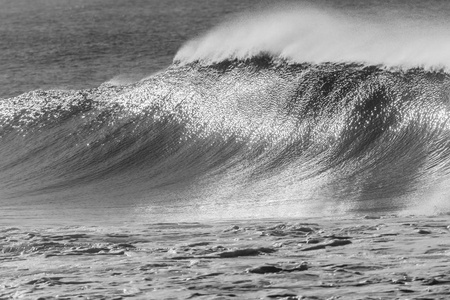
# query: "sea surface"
116,112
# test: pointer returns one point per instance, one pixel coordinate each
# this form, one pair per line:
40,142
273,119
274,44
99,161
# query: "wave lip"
307,34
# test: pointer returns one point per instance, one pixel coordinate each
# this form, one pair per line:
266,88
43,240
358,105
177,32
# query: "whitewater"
286,112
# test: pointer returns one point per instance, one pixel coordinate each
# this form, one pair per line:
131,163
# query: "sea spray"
303,33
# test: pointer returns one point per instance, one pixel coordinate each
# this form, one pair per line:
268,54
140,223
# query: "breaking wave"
307,118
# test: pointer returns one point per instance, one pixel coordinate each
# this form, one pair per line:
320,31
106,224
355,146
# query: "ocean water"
47,44
154,111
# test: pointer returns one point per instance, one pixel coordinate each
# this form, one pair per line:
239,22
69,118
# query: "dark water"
279,113
83,43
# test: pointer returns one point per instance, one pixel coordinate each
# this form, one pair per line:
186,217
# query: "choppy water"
292,111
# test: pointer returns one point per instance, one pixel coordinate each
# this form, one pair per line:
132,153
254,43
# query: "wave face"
256,133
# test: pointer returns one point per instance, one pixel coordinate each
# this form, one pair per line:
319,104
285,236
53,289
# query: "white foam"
307,34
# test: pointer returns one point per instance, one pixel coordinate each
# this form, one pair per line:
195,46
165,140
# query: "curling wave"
252,132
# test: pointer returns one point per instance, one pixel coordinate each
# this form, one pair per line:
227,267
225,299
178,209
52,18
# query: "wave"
253,132
301,33
291,112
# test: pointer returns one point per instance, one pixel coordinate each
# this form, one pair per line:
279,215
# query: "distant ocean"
150,111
